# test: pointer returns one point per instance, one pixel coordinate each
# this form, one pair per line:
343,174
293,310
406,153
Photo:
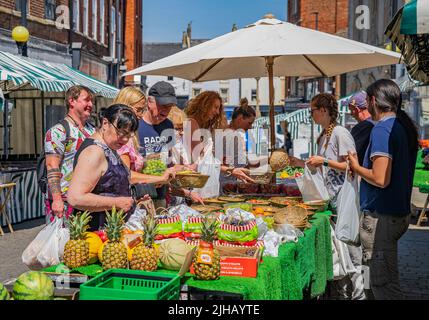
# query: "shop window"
196,92
94,19
18,6
85,17
102,23
76,15
224,95
50,9
253,95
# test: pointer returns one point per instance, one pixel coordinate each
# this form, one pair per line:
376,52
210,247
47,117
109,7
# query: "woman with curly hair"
205,111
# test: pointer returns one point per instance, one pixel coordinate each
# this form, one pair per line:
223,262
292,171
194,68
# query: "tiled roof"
153,51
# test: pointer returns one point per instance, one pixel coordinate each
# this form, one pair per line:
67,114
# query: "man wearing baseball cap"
156,131
361,132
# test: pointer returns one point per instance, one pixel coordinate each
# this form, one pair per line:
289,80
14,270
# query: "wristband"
326,162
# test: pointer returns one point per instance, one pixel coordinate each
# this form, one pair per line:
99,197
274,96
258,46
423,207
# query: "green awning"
415,17
47,76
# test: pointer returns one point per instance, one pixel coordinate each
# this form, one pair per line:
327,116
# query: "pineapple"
76,250
207,259
145,256
114,252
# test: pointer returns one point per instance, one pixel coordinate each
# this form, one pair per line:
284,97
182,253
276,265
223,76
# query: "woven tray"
258,202
208,208
232,199
214,201
284,201
190,180
263,178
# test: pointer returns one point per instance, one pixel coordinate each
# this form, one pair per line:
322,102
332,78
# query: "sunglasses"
312,110
122,134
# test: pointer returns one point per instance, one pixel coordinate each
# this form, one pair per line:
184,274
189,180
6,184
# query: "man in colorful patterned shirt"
60,153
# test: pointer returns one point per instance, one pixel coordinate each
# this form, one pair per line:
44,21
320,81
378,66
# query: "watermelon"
33,285
4,294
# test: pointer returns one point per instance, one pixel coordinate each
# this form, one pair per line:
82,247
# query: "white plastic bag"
135,221
210,166
312,185
53,250
348,211
48,246
342,263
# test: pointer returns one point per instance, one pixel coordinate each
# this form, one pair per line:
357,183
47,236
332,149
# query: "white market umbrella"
269,47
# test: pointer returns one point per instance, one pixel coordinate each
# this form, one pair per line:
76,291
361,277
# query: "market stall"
421,181
32,100
301,270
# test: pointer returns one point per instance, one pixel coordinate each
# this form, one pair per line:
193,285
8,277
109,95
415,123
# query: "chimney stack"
184,40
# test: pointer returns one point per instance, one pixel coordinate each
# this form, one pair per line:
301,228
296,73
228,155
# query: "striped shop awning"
409,30
49,77
415,17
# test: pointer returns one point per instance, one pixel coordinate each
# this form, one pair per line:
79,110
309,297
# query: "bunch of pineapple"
76,250
114,252
145,256
207,259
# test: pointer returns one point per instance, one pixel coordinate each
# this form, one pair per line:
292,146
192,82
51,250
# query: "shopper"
61,143
181,157
156,132
101,180
234,145
334,143
361,132
385,193
130,155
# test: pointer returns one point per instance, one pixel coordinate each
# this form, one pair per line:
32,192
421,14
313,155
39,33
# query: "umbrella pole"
270,64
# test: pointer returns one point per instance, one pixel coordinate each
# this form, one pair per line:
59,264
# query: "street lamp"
21,35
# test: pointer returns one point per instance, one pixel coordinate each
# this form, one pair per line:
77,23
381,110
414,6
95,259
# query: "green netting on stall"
306,264
91,270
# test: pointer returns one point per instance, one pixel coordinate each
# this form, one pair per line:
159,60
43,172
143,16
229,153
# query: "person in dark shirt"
362,131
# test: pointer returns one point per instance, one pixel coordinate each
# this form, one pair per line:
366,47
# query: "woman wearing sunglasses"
130,155
100,179
334,144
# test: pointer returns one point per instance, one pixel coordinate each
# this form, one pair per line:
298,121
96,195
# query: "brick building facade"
95,29
330,16
133,45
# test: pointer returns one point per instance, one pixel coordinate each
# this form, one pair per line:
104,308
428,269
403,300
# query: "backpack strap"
66,126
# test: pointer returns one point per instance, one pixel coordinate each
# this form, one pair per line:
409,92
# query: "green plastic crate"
124,284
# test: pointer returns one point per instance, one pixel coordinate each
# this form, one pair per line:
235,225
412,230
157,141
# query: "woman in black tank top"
100,179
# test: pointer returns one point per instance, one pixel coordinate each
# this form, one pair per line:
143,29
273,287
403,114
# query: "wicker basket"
190,180
279,160
263,178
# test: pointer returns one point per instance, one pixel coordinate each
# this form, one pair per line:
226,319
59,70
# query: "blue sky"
165,20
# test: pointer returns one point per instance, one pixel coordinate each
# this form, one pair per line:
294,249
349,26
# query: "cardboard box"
235,262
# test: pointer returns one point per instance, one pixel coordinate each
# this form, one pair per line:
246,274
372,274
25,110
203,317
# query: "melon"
4,294
95,243
172,253
33,285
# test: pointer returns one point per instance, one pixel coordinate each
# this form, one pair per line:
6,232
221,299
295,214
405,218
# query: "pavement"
412,252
